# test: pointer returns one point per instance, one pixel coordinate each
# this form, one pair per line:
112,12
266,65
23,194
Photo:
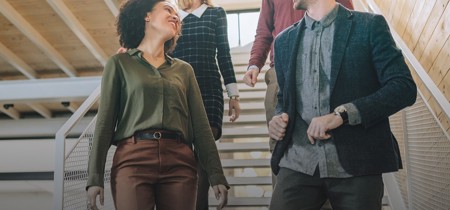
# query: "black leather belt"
155,135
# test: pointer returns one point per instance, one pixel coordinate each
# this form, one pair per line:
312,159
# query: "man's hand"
92,193
319,127
251,76
277,126
221,193
234,109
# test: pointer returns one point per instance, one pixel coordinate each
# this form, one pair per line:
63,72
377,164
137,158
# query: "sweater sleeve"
263,38
204,143
106,122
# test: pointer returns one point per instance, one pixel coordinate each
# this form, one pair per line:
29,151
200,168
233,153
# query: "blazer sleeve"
397,88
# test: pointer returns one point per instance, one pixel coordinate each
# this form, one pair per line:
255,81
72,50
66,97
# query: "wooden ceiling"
47,39
44,43
62,38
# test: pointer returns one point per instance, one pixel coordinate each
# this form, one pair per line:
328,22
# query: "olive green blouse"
137,96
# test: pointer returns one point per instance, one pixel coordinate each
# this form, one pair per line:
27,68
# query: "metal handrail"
60,147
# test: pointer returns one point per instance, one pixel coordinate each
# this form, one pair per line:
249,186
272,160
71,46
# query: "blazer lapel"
342,29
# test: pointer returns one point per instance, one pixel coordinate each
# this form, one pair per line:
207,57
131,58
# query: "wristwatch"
234,98
342,112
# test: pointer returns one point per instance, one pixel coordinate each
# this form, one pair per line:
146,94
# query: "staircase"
244,147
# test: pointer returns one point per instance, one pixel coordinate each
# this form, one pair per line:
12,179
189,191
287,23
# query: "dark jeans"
298,191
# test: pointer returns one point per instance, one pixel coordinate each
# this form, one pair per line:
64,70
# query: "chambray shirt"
313,94
136,95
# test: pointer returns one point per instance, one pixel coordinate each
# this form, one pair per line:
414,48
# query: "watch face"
340,109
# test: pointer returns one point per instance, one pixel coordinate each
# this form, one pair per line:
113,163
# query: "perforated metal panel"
75,173
425,182
397,128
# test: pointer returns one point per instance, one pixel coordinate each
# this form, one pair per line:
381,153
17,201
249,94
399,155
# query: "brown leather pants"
149,173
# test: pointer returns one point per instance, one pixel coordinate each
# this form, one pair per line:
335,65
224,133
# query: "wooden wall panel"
440,66
405,16
416,22
432,33
398,12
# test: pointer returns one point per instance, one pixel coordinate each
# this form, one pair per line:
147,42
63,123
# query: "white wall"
238,4
26,201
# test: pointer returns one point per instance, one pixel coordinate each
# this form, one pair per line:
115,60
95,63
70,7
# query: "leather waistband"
156,134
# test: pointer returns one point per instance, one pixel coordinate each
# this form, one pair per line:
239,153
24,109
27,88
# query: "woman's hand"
121,50
92,193
221,193
234,109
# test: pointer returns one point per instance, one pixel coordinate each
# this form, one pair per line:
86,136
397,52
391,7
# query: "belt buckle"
157,135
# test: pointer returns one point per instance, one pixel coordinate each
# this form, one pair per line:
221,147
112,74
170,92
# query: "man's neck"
320,9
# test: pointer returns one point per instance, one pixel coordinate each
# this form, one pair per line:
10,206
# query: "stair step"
248,95
245,118
259,180
240,59
250,201
243,163
242,147
247,106
259,86
243,68
240,76
242,201
260,131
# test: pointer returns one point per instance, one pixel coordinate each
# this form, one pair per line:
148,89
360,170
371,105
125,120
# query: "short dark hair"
131,23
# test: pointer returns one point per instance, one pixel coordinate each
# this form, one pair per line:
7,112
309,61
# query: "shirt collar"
325,21
197,12
137,52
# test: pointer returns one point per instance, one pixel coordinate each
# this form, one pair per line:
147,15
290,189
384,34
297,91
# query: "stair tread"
259,180
244,131
243,201
225,146
238,163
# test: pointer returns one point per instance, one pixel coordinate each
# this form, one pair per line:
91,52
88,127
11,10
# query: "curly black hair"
131,23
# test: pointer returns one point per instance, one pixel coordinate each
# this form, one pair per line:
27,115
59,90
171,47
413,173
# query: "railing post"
60,148
58,179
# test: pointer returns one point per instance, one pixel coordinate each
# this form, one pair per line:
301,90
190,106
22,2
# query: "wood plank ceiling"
62,40
45,39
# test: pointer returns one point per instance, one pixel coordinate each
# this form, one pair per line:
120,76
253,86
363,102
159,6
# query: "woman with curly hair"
151,109
204,45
